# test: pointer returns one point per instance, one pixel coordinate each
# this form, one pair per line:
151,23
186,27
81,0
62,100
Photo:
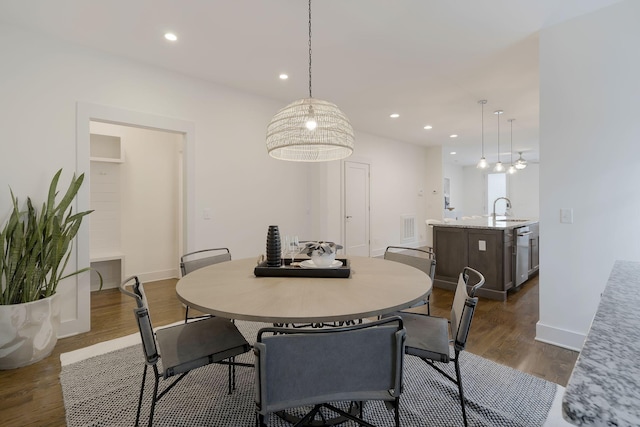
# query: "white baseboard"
159,275
560,337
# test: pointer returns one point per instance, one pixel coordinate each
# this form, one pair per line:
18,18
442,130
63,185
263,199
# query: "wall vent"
408,228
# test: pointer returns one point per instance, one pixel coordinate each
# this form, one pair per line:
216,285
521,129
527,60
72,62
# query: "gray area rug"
103,391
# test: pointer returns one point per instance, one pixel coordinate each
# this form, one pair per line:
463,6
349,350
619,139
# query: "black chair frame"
428,254
152,356
459,341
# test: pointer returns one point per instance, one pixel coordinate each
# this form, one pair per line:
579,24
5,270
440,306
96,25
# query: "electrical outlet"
566,215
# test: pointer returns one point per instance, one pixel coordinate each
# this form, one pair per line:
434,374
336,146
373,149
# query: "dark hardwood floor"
501,331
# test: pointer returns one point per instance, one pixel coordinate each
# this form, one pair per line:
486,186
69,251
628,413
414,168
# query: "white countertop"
604,388
501,222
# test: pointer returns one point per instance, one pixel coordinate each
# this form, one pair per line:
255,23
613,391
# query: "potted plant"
35,247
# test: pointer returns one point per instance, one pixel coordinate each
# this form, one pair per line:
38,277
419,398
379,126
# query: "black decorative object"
273,247
343,272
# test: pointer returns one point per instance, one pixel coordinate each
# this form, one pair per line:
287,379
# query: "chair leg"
186,314
459,382
260,420
144,378
155,395
229,376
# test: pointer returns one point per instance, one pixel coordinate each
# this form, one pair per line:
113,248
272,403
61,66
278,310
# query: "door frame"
85,113
343,198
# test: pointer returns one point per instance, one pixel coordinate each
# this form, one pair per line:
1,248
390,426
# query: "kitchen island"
498,248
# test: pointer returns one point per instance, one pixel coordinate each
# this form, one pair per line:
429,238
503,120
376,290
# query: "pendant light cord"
310,49
482,136
498,114
511,153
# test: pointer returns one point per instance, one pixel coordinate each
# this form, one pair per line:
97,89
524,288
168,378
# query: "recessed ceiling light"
283,76
394,115
171,37
453,136
453,152
427,127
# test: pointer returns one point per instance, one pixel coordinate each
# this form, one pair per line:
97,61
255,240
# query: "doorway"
80,298
135,187
357,208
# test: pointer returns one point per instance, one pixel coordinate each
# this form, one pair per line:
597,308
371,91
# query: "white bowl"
324,260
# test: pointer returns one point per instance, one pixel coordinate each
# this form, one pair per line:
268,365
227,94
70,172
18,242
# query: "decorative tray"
297,270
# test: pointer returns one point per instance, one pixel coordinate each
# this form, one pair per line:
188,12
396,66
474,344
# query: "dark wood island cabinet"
485,245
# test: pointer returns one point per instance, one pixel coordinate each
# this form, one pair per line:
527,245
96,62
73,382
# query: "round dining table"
232,290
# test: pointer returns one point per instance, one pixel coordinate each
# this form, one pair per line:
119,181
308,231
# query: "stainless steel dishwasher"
522,235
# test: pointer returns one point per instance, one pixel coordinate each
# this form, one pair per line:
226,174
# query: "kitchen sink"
512,220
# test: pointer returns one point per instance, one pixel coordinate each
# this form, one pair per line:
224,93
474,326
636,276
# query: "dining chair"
321,367
422,259
430,338
194,260
183,347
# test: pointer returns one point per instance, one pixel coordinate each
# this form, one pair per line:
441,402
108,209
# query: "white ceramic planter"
28,332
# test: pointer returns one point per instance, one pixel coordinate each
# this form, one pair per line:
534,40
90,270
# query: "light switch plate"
566,215
482,245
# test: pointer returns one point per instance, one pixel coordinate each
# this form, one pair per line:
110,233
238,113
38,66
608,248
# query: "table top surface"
375,287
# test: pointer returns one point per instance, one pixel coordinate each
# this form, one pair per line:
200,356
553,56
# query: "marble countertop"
604,387
501,223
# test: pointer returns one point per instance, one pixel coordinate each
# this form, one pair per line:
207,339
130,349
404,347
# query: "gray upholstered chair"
183,347
312,367
430,338
422,259
194,260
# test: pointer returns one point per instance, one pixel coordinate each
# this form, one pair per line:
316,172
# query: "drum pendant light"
482,164
310,129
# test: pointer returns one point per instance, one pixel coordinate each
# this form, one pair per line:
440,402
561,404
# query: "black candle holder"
274,247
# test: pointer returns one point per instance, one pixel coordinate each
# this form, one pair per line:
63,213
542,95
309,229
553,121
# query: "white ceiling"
428,60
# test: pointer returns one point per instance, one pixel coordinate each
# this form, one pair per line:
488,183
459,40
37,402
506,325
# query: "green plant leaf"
36,246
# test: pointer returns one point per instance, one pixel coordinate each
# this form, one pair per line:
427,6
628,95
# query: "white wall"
398,187
455,173
523,189
475,191
434,184
589,149
43,80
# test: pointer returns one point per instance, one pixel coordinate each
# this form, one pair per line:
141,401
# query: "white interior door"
356,220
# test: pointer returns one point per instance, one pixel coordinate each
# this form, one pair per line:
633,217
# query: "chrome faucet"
496,201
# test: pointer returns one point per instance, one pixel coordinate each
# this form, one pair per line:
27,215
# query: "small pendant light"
482,164
521,163
499,166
